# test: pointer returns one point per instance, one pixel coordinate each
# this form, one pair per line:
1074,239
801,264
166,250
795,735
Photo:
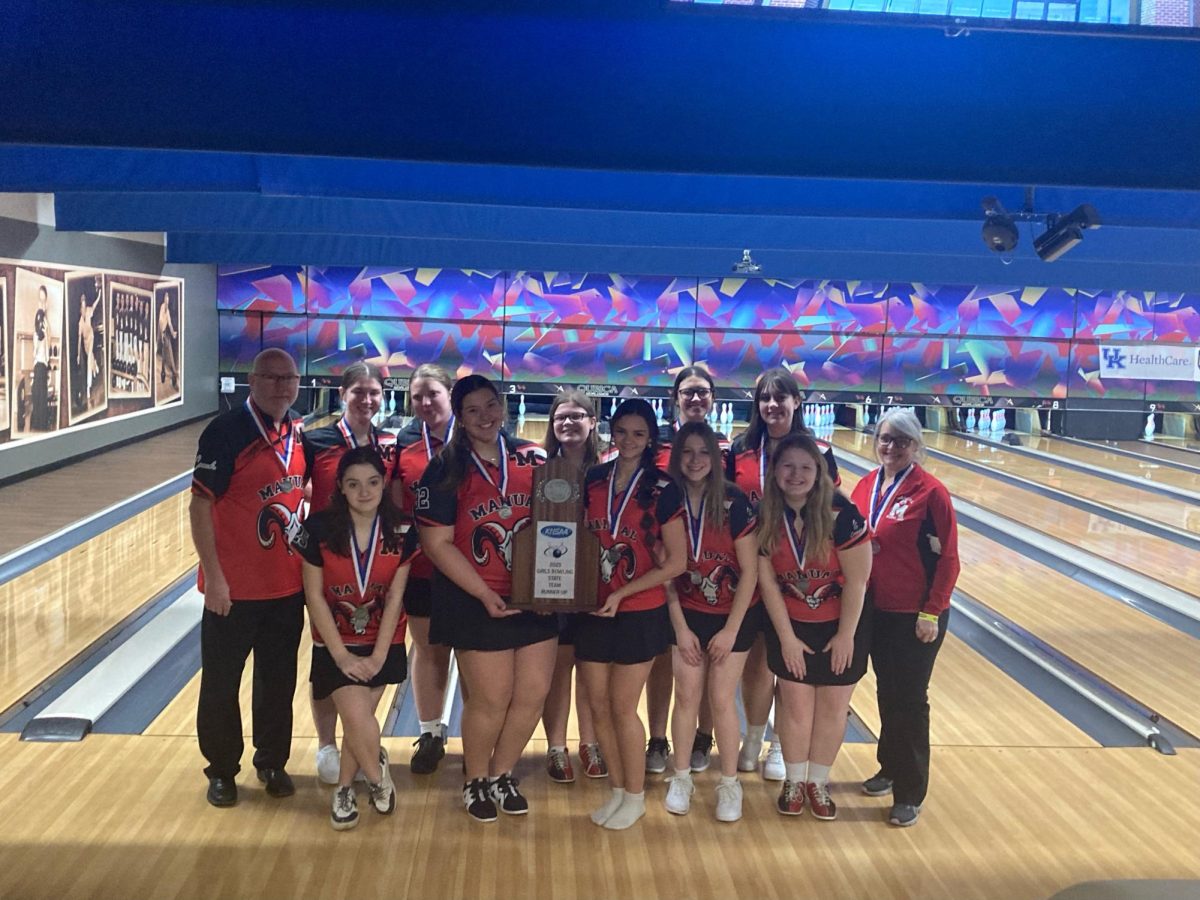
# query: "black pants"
39,419
903,666
271,628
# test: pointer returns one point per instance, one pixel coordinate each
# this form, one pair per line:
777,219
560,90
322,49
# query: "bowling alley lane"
1096,456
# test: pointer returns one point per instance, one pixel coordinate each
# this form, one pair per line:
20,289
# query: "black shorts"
460,621
705,625
567,625
326,677
816,665
626,639
418,597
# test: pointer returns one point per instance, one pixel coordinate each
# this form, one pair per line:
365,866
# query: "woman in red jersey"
362,397
355,567
572,435
692,397
636,511
813,569
914,535
774,414
711,611
431,427
474,496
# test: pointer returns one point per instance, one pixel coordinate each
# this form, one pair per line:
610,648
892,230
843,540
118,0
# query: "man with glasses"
247,487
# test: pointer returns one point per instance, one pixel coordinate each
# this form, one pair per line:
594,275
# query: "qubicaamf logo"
556,531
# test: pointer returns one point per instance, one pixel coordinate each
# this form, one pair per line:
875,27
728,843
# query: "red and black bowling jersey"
323,449
628,554
813,593
666,436
915,539
745,467
256,485
482,533
709,583
411,459
357,608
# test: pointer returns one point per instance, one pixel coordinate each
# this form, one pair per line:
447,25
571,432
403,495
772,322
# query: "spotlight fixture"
746,265
999,229
1062,231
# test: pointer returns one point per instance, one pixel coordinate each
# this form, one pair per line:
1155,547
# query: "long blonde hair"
817,515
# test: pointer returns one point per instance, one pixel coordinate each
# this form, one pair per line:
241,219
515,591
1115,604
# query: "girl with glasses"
572,435
914,537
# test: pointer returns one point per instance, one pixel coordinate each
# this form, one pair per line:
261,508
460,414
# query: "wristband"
928,617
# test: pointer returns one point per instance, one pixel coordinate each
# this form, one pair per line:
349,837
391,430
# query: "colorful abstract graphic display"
276,289
1085,383
405,293
1114,316
760,304
241,339
288,333
988,367
983,311
1176,317
594,300
538,353
820,362
398,346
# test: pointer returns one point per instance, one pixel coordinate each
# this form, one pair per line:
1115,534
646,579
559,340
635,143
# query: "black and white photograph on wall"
131,350
168,379
86,359
4,379
36,354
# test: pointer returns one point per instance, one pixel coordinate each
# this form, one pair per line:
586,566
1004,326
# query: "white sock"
562,747
630,811
818,774
754,735
797,772
433,726
604,813
729,779
682,773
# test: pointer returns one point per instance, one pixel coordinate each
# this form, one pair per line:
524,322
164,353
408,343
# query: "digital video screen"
982,311
1114,316
398,346
985,367
278,289
601,300
763,304
822,362
540,353
240,340
407,293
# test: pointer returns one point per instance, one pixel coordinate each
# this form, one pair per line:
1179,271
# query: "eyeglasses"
278,379
891,440
695,393
575,417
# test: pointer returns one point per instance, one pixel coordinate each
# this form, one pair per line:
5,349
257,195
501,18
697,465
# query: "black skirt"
816,665
418,597
326,677
705,625
460,621
626,639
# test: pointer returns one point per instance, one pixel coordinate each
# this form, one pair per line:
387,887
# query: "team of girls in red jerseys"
740,566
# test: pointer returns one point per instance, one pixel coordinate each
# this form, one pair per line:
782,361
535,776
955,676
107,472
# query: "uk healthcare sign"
1151,362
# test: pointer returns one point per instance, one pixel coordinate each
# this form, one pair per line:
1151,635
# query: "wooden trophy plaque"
556,560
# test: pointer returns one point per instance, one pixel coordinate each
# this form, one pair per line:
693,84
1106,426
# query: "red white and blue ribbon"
364,560
428,437
695,525
762,466
799,549
502,465
288,440
351,440
614,518
881,499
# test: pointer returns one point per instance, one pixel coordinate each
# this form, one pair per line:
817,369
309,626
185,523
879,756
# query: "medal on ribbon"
501,488
289,442
616,511
695,533
351,440
799,549
364,559
881,499
427,437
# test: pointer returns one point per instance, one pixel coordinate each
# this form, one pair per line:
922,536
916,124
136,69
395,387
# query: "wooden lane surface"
127,818
1172,451
1138,654
1154,557
1096,456
43,504
1127,498
974,703
51,613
